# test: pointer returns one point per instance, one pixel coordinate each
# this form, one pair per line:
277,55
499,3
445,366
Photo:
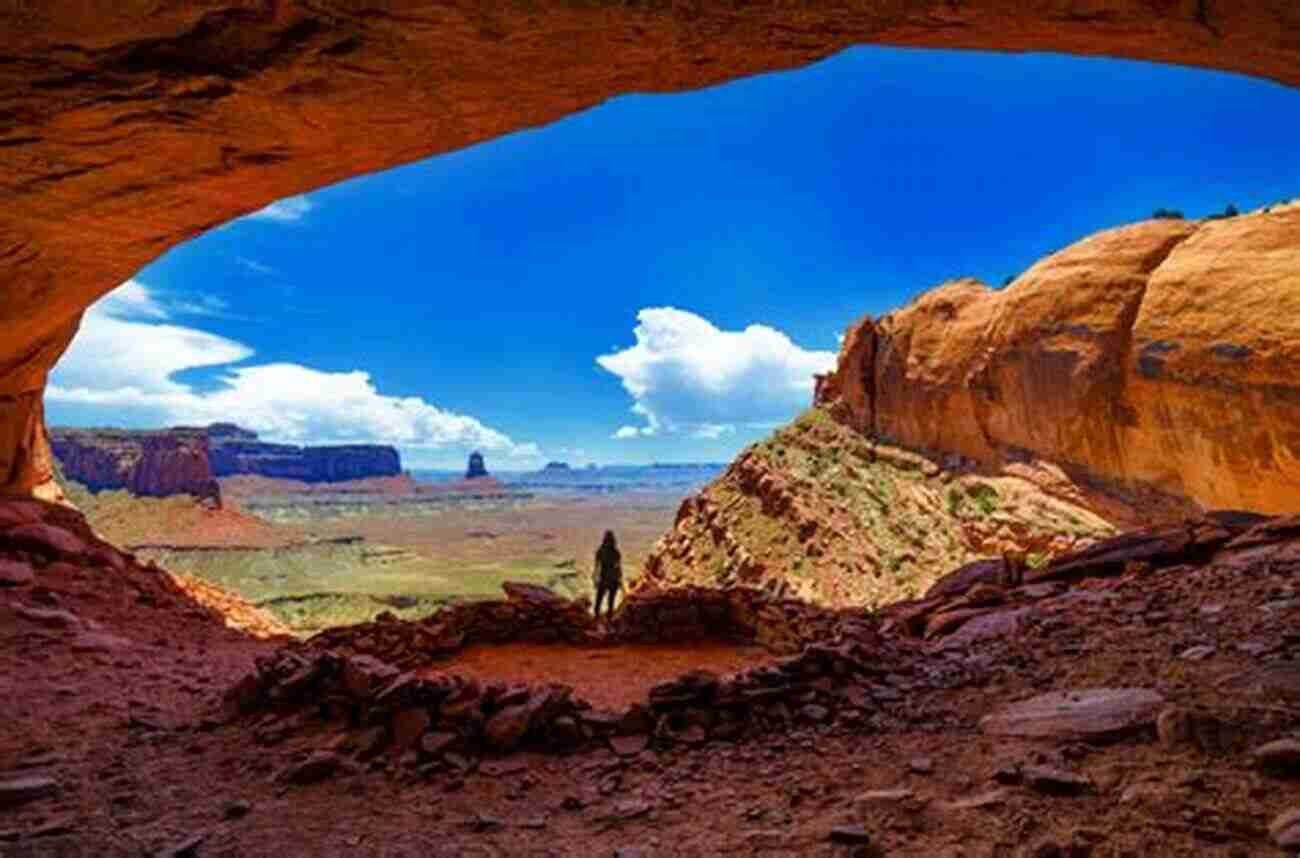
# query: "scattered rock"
1197,653
409,725
876,799
237,809
1053,781
506,729
364,675
187,848
1089,713
1285,828
921,766
988,798
1281,755
850,834
50,618
317,767
21,790
814,713
629,746
437,743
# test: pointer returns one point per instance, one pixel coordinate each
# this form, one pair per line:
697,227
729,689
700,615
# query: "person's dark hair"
609,539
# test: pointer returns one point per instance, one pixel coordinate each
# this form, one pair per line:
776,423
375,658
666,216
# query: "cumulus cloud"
128,352
686,375
287,210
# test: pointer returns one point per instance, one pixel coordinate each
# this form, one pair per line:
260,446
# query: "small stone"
483,824
436,744
814,713
878,798
1054,781
1282,755
1285,828
629,746
506,729
50,618
850,834
408,726
921,766
187,848
237,809
1197,653
22,790
988,798
317,767
629,852
1045,849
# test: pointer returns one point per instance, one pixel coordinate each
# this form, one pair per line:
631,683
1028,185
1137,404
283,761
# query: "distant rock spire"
476,468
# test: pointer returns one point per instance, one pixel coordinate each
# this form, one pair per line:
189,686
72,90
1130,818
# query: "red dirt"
608,677
130,730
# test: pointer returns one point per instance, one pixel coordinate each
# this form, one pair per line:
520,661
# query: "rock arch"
128,126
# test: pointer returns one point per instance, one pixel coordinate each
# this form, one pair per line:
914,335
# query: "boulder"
43,539
1089,713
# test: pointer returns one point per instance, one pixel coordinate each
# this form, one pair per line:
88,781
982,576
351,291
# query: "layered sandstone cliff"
152,464
1160,356
238,451
187,460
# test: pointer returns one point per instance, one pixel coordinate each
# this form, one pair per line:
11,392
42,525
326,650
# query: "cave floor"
111,712
609,677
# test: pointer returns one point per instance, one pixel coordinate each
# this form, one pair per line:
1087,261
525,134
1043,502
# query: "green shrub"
1167,214
955,501
985,497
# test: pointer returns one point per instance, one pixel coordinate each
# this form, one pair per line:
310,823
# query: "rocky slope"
823,513
150,464
1160,357
1140,699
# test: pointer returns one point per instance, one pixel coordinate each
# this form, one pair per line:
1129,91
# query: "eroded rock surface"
1158,357
129,127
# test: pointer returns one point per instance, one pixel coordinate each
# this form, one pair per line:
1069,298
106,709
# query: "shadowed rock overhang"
127,126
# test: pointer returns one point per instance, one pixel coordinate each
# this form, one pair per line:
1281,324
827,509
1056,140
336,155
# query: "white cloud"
254,266
686,375
127,353
287,210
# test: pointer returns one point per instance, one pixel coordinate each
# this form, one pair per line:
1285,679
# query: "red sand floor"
607,677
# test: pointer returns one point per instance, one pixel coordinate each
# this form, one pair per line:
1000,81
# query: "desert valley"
1017,576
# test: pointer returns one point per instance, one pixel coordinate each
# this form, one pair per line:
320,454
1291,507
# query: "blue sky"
656,278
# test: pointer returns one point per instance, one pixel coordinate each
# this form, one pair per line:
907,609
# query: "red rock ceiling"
128,126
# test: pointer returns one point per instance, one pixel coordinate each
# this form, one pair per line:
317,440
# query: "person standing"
608,576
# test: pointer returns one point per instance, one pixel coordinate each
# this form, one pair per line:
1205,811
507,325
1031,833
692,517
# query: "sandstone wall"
151,464
1160,355
330,464
130,126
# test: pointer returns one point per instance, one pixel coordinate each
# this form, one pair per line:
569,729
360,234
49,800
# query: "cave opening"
1089,672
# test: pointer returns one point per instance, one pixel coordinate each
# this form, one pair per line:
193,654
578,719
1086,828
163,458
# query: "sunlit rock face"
152,464
1162,355
128,127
